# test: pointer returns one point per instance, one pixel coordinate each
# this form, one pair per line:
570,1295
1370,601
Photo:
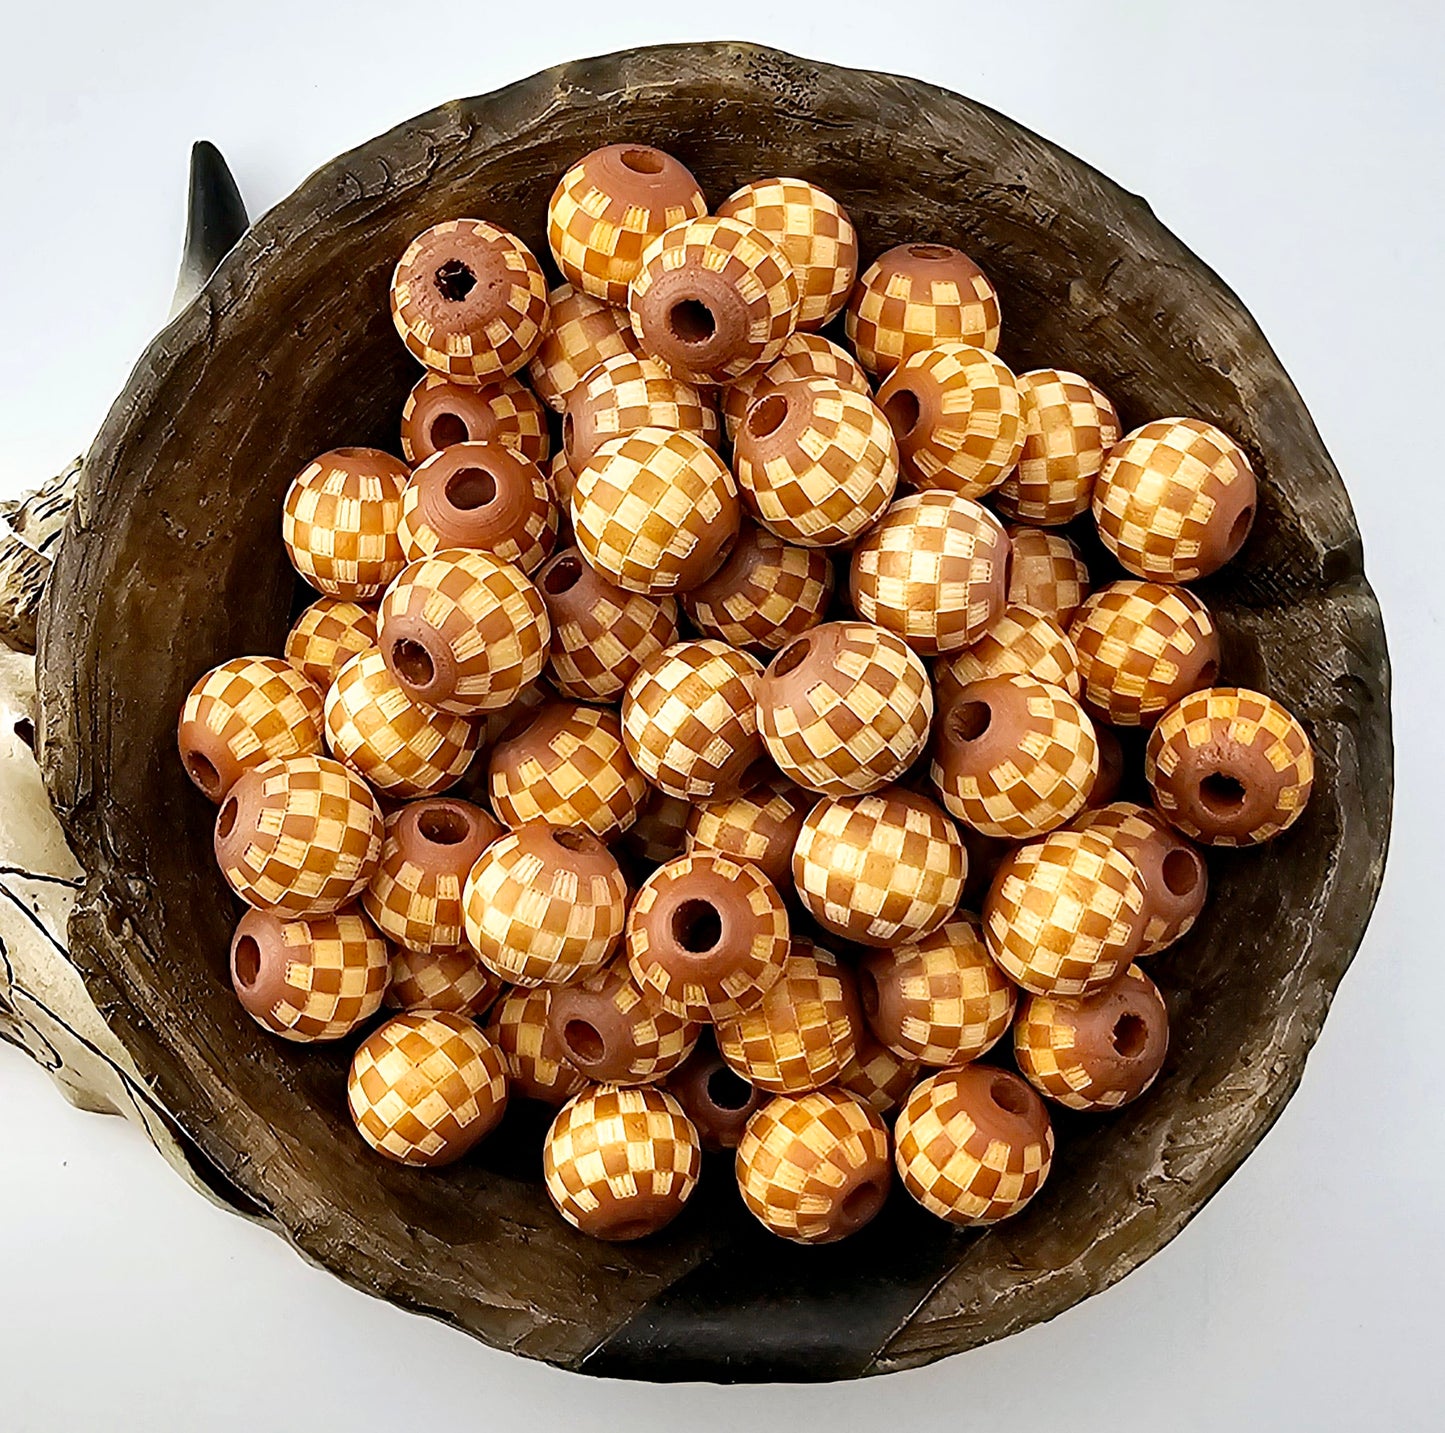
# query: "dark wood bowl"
172,563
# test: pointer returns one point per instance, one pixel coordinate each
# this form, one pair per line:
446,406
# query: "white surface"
1295,146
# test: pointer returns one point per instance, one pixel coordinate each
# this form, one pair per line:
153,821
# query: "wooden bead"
469,301
656,511
544,905
402,748
245,712
620,1163
630,392
463,631
876,1075
305,980
914,295
479,495
973,1145
1013,757
601,635
815,233
845,709
659,834
881,869
940,1000
561,484
1069,425
1142,646
1098,1052
1175,499
327,635
804,356
415,894
339,522
708,936
568,766
439,413
934,570
1047,573
759,827
957,413
717,1101
1230,767
451,980
300,836
582,331
537,1067
690,720
425,1087
504,722
1018,642
814,1168
765,594
816,462
608,207
1065,915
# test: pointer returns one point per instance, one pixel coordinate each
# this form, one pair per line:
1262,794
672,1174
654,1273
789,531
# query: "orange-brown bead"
326,636
439,413
537,1066
1018,642
1047,573
804,356
759,827
626,393
876,1075
451,980
717,1101
582,331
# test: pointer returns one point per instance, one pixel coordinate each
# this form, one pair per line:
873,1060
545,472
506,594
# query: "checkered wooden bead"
339,522
876,1075
759,826
327,635
973,1145
957,413
537,1068
582,331
689,718
804,356
1048,573
568,766
717,1101
469,301
464,631
1097,1052
1018,642
816,462
1065,915
506,721
242,713
626,393
845,709
911,297
1175,499
1230,767
439,413
402,748
305,980
708,936
451,980
300,835
879,869
659,834
608,207
425,1087
934,570
1069,425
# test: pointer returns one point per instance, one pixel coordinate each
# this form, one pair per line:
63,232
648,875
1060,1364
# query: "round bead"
690,719
463,631
973,1145
816,462
759,827
505,721
934,570
300,836
609,207
876,1075
327,635
425,1087
1096,1053
718,1102
1069,425
845,709
804,356
659,834
627,393
315,979
561,484
958,417
439,413
1018,642
469,301
707,936
245,712
1175,499
1230,767
582,331
339,522
1065,915
1047,573
451,980
911,297
878,870
537,1068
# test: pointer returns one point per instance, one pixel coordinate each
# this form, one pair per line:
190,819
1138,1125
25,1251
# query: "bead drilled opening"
792,658
697,926
1129,1035
448,429
583,1041
1181,872
443,826
969,720
903,410
862,1202
571,840
766,416
727,1090
247,961
226,821
691,321
203,772
936,252
1008,1097
642,161
470,488
562,576
413,662
454,280
1239,529
1221,793
868,992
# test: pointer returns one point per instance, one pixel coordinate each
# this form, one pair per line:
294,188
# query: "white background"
1297,148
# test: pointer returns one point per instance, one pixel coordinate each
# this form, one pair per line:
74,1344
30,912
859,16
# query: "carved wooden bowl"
172,563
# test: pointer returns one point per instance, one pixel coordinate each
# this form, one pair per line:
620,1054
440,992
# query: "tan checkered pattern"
826,474
962,1164
327,635
1157,497
879,869
1019,642
626,393
1048,574
582,332
758,827
426,1087
934,570
402,748
1069,425
800,1159
690,718
1066,914
1142,646
499,340
659,834
877,1076
451,980
804,356
339,522
561,484
536,1068
503,412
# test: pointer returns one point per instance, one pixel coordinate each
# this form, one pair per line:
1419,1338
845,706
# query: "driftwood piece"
30,532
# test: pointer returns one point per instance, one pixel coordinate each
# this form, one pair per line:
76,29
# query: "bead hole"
862,1202
792,659
1221,793
1240,529
697,926
1208,672
691,321
571,840
584,1041
226,821
447,429
246,962
563,575
1181,872
455,280
1128,1036
1008,1097
728,1091
968,721
935,252
868,992
470,488
443,826
903,411
642,161
203,772
766,415
413,662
